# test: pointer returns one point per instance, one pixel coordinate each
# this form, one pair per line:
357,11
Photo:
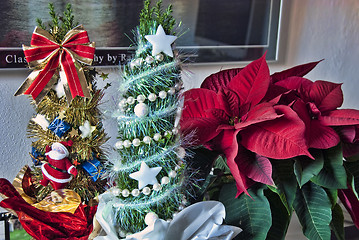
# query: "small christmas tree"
149,172
63,114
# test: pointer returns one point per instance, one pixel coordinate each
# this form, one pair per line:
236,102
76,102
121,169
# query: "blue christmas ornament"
94,168
36,156
59,127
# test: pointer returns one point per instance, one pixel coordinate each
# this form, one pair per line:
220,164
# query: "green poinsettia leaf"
333,173
332,195
353,169
313,209
280,217
251,213
285,182
306,168
337,223
221,164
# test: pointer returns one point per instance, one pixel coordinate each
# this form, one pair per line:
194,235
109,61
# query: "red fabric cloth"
43,225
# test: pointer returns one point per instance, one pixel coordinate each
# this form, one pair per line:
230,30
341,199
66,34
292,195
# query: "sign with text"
211,31
14,58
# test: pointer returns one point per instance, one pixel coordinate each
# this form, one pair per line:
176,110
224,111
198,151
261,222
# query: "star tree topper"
146,175
161,42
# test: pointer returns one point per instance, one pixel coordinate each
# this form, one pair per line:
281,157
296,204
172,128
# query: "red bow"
48,57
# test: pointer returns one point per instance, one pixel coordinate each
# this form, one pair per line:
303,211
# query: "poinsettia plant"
287,147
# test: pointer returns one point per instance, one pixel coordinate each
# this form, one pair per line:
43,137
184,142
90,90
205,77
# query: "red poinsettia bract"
351,203
230,115
317,105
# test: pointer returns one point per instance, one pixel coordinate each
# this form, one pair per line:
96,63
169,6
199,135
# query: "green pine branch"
151,17
59,25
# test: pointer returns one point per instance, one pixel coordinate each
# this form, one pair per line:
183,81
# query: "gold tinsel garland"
84,148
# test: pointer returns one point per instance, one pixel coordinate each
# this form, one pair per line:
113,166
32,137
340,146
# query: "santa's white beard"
56,155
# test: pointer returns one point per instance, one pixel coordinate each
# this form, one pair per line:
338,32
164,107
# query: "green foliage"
59,25
280,217
306,168
20,234
83,149
352,169
337,223
68,19
76,113
333,174
151,17
247,211
285,182
314,212
308,187
144,78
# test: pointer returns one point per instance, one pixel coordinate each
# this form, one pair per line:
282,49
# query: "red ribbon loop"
48,55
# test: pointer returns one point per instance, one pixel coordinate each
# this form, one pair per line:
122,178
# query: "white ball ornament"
150,218
165,180
157,187
125,193
135,192
119,144
171,91
122,103
149,59
127,143
136,142
162,94
132,64
146,191
141,110
175,131
130,100
172,174
152,97
141,98
159,57
147,140
157,137
167,133
138,61
122,233
115,191
181,152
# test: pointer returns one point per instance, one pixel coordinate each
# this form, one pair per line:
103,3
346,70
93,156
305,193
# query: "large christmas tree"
67,110
149,172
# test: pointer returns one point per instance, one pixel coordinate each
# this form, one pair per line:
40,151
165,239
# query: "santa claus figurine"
58,169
